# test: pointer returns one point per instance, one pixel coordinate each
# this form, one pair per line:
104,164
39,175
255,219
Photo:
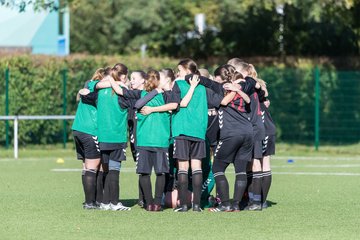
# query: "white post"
66,22
200,22
16,137
143,50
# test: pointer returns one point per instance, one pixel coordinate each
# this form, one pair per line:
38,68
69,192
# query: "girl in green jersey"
85,136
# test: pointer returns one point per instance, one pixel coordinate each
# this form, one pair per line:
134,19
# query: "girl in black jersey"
236,141
268,149
254,189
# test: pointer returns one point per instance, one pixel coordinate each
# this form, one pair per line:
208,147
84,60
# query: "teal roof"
38,30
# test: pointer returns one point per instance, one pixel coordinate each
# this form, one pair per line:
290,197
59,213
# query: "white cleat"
119,207
105,207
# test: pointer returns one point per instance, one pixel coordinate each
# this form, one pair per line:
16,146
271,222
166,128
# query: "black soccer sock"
222,188
141,195
106,195
240,186
197,179
99,186
256,187
183,182
90,185
83,179
159,188
145,184
248,190
114,188
266,183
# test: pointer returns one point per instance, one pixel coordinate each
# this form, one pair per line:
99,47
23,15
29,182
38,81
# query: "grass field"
315,197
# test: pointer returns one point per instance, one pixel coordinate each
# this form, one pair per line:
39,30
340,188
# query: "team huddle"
186,125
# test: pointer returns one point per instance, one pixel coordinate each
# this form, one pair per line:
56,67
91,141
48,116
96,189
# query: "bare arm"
116,86
106,83
194,81
164,108
236,88
228,98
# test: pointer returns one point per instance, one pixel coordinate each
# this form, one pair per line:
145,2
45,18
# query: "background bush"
36,88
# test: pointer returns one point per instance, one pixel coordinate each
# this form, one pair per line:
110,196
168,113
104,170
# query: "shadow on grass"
271,203
129,202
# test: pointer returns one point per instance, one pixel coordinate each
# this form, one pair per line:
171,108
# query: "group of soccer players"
186,125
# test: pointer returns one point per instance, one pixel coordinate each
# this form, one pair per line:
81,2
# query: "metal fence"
16,127
312,106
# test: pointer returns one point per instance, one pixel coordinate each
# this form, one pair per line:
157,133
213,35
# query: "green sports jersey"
112,119
192,120
86,115
153,130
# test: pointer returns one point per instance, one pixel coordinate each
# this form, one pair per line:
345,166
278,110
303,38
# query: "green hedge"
36,88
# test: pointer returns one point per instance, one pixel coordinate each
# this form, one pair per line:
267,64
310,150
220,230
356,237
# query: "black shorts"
147,159
117,155
185,149
268,145
213,130
258,149
235,148
87,146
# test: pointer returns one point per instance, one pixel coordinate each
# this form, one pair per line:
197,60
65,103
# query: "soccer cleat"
156,208
104,206
89,206
197,208
235,208
119,207
182,208
264,205
253,207
221,208
149,207
141,203
97,204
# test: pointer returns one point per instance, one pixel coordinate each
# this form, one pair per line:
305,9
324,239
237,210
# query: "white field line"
315,158
132,170
292,165
317,173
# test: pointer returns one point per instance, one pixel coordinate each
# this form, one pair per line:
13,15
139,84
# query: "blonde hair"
152,80
98,74
204,72
235,61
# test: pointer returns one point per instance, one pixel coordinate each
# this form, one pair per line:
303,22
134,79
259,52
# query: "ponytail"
152,80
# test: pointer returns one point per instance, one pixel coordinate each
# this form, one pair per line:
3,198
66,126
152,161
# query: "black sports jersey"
213,129
172,96
213,99
234,119
270,128
256,117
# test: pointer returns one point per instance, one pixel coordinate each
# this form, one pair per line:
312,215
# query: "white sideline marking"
318,173
132,170
314,158
292,165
